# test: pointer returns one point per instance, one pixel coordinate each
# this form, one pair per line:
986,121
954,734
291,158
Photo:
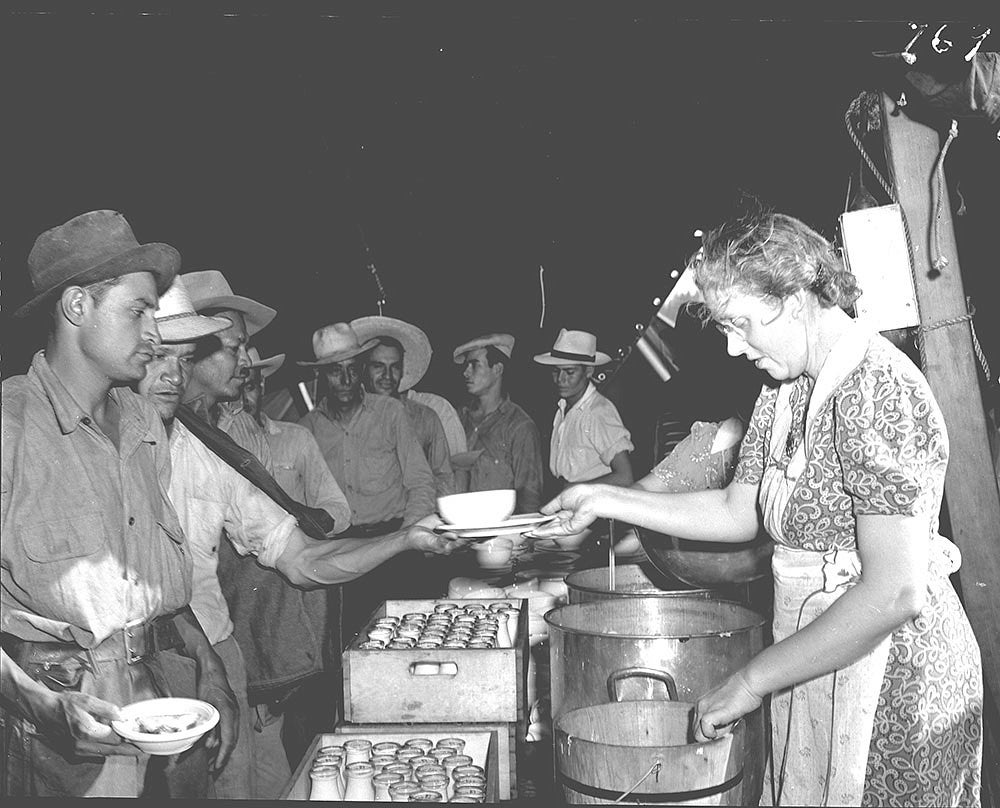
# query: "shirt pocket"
379,471
63,539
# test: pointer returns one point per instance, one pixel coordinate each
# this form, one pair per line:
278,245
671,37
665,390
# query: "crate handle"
648,673
433,669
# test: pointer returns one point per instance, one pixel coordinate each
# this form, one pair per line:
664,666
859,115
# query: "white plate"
516,524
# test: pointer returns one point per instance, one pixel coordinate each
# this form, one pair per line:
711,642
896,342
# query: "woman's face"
762,330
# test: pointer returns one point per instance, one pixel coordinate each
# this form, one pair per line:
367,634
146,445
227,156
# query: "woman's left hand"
718,710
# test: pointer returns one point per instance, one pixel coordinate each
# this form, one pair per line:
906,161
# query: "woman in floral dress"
875,676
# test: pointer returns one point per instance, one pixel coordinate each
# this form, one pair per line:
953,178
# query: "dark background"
471,143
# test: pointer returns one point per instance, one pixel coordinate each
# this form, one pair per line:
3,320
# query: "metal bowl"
708,564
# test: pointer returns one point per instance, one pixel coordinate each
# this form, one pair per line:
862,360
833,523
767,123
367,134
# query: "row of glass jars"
448,626
415,771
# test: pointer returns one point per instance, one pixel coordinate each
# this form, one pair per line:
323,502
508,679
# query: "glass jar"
401,792
325,783
357,750
359,786
381,783
458,744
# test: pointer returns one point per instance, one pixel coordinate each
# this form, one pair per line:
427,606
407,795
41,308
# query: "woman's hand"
718,710
576,508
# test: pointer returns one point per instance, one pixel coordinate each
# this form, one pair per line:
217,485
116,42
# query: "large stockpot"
675,648
637,581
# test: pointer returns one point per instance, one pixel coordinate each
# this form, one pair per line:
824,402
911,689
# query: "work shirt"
300,469
211,496
454,432
586,438
376,460
430,435
508,453
90,539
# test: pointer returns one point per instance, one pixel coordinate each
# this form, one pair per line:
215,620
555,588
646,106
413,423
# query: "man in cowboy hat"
375,457
589,441
299,467
504,447
391,368
96,574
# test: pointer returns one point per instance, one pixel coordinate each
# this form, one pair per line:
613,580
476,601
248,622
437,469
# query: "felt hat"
267,366
574,348
209,289
91,247
179,322
502,342
416,347
335,343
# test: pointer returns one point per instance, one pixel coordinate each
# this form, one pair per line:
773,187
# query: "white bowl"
477,507
165,743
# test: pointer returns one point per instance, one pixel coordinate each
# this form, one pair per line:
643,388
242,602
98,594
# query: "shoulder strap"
314,522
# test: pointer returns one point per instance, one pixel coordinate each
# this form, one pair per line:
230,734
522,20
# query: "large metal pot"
638,581
692,643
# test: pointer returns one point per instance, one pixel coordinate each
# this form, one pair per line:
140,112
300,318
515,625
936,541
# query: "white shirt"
210,496
586,439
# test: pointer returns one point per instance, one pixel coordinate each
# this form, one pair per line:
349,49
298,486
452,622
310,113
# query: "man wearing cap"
300,469
391,368
96,572
504,447
589,441
374,455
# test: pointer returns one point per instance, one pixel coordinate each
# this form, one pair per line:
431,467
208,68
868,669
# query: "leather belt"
135,642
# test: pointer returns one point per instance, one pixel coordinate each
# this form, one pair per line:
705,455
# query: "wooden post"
973,500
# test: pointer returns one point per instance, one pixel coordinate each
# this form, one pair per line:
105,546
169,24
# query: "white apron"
821,729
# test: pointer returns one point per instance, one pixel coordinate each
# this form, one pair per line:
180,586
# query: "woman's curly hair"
770,254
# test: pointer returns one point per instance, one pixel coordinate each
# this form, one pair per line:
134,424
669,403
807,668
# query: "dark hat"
93,247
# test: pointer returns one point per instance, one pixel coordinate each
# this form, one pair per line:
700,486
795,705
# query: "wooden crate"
489,687
481,744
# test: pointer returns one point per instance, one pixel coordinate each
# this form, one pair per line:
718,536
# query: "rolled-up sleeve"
256,524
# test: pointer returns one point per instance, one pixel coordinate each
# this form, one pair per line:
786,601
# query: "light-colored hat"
335,343
93,247
179,322
267,366
209,289
502,342
574,348
416,347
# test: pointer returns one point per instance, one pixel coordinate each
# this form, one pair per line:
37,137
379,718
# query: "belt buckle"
134,634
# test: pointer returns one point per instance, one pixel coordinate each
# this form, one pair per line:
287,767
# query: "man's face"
344,381
167,377
384,370
253,391
570,380
479,376
222,372
119,335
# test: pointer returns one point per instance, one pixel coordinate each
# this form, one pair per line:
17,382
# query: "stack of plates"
523,523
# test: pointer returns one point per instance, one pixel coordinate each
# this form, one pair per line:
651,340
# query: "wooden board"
488,685
481,745
973,501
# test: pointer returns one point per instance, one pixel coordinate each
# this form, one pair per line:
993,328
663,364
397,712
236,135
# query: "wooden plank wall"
971,490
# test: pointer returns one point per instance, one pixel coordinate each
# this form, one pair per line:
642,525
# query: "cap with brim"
177,320
92,247
416,347
210,292
267,367
336,343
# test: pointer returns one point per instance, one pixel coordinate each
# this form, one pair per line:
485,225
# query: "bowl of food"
477,507
165,726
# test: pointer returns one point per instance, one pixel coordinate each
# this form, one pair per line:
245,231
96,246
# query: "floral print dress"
872,442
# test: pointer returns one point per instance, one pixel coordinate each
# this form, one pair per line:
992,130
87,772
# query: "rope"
950,321
854,109
940,261
541,284
655,768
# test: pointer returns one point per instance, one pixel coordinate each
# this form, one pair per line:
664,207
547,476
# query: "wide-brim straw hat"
336,343
267,367
210,291
502,342
416,346
574,348
91,247
177,320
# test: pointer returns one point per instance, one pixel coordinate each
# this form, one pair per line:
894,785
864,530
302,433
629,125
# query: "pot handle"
649,673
